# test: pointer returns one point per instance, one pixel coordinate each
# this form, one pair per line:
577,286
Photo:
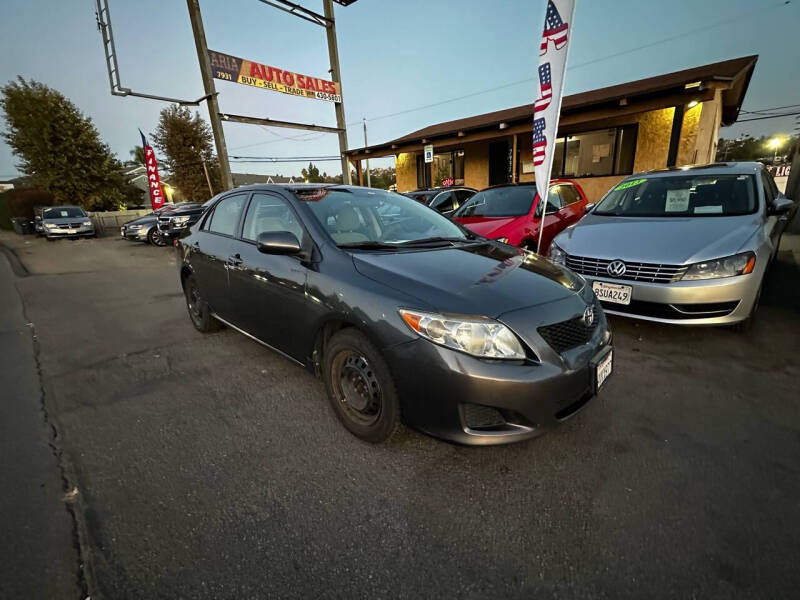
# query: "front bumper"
704,302
68,233
134,235
444,392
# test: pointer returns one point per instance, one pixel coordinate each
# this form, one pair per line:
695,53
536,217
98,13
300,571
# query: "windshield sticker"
64,213
708,210
628,184
677,201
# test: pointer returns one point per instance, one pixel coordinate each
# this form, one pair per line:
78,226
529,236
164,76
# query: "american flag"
545,84
539,141
554,29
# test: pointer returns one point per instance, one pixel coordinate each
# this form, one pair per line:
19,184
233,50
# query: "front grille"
656,310
478,416
569,334
634,271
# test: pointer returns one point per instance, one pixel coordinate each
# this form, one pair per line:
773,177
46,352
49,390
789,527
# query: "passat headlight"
478,336
738,264
557,255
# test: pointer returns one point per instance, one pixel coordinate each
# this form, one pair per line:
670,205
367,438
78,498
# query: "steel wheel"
356,387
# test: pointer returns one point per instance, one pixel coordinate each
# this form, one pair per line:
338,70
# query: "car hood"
145,220
668,240
65,220
490,227
487,279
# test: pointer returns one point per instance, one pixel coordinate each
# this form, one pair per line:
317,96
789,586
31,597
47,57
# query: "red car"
510,213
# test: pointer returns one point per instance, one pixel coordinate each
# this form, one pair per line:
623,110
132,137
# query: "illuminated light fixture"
503,125
693,103
461,134
692,85
394,146
623,102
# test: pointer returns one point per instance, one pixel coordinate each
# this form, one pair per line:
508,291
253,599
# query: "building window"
448,169
596,153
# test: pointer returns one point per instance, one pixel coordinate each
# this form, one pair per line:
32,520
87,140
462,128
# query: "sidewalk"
38,558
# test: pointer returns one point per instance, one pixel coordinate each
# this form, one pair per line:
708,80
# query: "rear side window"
443,201
268,213
225,218
569,194
510,201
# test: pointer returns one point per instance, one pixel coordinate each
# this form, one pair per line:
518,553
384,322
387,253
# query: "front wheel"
199,311
154,238
360,387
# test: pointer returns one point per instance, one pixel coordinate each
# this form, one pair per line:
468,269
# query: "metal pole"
333,53
208,179
208,85
369,181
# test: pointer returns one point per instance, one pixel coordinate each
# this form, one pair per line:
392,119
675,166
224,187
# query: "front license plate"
604,368
611,292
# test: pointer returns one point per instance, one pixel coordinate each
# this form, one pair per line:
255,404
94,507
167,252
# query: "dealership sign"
153,179
232,68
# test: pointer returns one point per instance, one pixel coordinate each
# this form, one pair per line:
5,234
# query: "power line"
762,111
583,64
769,117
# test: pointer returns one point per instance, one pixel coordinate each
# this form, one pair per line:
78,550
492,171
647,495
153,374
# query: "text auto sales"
231,68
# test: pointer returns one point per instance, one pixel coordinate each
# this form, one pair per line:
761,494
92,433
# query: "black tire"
154,238
199,312
360,387
746,325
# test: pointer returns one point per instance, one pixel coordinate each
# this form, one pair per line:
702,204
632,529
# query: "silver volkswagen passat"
688,246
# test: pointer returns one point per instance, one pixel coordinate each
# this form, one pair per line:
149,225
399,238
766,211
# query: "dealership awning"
604,105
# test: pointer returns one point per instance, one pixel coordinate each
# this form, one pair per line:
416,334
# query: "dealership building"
604,134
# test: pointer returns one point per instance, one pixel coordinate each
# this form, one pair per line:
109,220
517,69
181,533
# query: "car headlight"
503,240
87,223
738,264
478,336
557,255
50,225
134,226
180,220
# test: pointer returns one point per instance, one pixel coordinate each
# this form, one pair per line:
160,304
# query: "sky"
395,56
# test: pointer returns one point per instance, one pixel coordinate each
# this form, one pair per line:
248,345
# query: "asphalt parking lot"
192,466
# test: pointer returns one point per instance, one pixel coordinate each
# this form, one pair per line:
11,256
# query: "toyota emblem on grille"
616,268
588,316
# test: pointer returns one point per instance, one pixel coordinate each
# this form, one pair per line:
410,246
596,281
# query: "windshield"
690,195
64,212
511,201
360,217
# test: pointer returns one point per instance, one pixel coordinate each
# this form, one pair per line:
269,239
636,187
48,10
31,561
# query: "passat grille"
634,271
569,334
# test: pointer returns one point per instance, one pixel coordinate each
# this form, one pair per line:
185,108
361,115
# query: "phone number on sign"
328,97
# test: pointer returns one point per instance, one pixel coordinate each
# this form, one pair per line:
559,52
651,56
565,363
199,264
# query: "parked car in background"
411,318
512,212
64,222
175,222
445,200
688,246
145,229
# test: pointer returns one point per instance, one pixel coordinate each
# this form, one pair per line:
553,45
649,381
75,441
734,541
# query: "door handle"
235,260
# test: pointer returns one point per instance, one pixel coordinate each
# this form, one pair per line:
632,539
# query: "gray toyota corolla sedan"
685,246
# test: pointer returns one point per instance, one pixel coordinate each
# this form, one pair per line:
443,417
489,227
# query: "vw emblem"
588,316
616,268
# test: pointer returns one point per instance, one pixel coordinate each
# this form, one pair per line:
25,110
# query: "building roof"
732,75
240,179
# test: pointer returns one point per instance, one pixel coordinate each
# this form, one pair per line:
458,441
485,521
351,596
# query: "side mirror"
589,207
278,242
781,205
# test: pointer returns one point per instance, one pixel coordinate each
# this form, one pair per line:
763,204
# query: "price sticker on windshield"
677,201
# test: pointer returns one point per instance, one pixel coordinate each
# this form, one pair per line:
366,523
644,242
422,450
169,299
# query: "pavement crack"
72,499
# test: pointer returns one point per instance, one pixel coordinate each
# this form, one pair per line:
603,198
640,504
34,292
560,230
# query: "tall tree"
59,148
137,155
185,141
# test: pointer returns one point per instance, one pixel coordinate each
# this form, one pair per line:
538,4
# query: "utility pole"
333,53
369,181
208,86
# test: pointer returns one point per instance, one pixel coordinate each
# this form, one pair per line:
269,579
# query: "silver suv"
685,246
64,221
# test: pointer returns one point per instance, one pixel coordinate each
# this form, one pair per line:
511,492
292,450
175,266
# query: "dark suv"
445,200
172,224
